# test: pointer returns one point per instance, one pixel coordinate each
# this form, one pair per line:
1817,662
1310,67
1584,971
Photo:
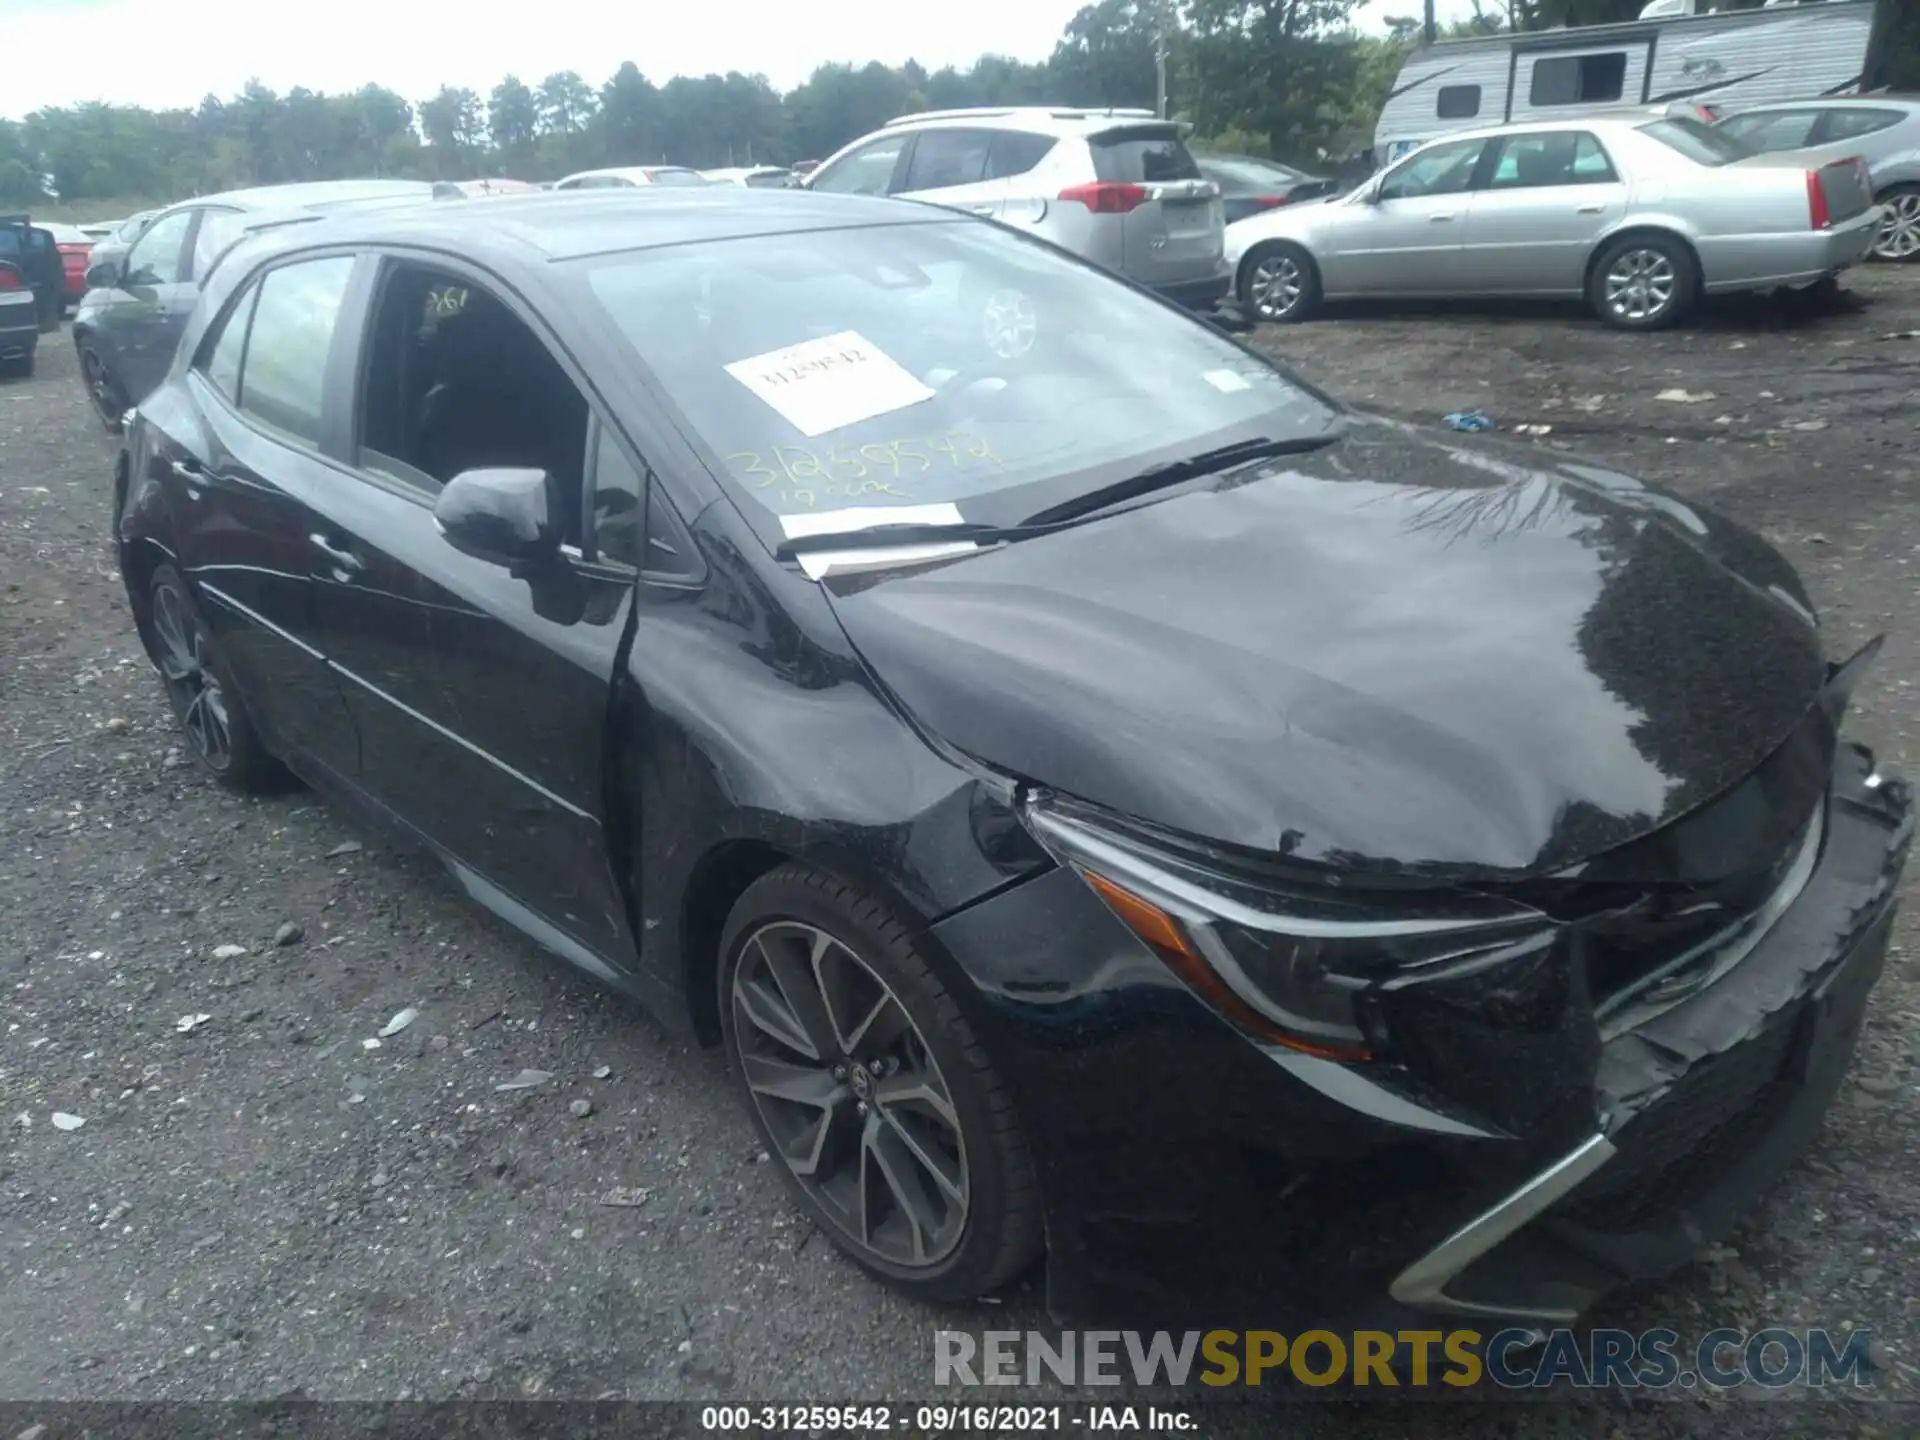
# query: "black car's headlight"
1288,963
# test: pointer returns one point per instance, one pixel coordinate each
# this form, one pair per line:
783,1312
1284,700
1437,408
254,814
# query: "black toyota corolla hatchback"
1111,803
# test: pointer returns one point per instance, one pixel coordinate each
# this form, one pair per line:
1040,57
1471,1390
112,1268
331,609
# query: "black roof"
567,225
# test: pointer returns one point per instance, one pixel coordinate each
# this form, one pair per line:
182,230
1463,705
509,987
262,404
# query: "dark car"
1108,800
137,304
34,254
19,320
1249,185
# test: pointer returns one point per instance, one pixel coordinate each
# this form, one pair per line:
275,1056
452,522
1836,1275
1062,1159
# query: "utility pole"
1160,57
1428,29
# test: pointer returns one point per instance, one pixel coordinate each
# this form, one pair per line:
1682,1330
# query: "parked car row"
1067,762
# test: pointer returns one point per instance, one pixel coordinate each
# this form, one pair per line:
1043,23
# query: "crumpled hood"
1390,654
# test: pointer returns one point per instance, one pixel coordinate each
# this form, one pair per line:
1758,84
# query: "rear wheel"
1643,282
1278,282
1899,237
205,701
109,401
867,1084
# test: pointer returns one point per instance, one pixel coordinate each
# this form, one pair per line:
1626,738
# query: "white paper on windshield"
821,385
865,517
1227,380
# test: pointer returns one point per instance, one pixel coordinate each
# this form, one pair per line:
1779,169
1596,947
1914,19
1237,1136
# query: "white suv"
1116,187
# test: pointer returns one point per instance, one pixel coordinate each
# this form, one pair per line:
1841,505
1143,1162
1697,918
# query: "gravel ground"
265,1203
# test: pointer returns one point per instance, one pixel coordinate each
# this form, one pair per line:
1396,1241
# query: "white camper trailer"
1677,52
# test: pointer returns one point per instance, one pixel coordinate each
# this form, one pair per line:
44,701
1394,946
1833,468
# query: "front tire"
1643,282
868,1086
1278,281
1899,237
206,703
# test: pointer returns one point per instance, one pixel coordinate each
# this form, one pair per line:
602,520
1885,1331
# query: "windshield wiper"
1207,462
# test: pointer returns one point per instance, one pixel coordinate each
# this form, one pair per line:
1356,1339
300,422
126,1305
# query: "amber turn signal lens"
1166,938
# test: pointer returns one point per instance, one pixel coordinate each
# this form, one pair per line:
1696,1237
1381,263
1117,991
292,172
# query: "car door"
239,457
1402,236
948,166
1548,198
140,325
481,695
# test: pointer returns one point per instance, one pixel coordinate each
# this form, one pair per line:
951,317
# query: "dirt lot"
266,1204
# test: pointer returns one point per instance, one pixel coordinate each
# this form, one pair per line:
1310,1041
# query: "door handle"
1440,219
344,558
981,209
1593,209
189,470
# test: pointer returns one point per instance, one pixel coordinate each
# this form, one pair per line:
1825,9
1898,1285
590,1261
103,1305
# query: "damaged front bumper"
1703,1105
1191,1177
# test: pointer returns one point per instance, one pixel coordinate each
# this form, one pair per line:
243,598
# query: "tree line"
1289,78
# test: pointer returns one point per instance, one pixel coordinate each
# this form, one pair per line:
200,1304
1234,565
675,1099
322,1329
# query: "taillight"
1819,217
9,280
1271,202
1107,197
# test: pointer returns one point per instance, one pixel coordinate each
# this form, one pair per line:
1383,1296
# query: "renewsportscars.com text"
1771,1358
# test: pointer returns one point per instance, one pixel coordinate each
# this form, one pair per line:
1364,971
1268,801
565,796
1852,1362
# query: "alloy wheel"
198,699
1899,237
850,1094
1276,286
100,387
1640,285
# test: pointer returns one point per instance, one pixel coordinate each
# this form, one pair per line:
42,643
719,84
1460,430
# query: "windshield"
1702,144
935,363
677,177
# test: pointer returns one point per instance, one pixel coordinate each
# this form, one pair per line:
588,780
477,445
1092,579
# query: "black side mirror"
507,516
103,275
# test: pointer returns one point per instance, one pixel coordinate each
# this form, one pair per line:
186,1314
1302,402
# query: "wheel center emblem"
861,1081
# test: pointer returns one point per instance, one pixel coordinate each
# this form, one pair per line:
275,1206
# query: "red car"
76,249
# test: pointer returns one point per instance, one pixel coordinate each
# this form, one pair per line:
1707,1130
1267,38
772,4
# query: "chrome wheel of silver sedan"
1899,237
1275,285
850,1094
1640,285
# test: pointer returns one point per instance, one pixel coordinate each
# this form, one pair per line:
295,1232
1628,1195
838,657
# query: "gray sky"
162,53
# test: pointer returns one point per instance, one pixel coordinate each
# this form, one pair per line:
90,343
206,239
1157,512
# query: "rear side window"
1578,79
1774,130
769,180
1703,144
1849,124
1142,156
1015,152
286,359
1457,102
942,158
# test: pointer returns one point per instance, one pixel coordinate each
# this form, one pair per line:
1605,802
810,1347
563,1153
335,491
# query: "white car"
754,177
1116,187
617,177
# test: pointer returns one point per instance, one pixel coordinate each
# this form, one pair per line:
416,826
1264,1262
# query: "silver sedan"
1640,217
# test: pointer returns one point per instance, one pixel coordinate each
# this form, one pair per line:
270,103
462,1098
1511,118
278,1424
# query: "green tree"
513,122
625,128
